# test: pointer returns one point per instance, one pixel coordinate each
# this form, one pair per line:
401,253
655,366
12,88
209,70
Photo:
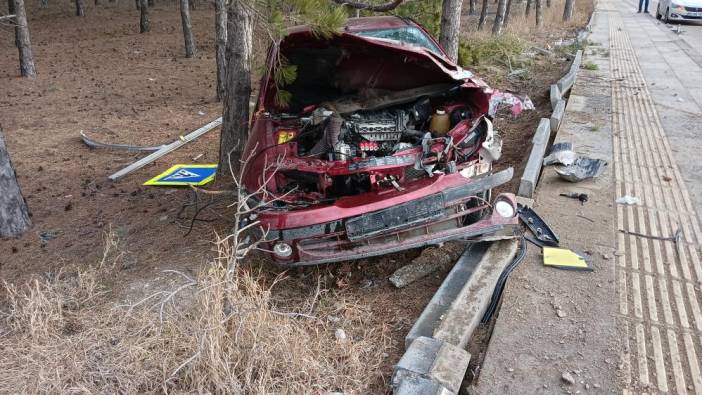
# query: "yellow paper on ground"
564,259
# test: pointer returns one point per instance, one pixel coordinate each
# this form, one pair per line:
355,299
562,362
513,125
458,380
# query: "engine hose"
500,286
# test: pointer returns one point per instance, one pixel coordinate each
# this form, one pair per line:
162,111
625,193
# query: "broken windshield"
407,35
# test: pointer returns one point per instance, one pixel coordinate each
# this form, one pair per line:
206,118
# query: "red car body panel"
318,199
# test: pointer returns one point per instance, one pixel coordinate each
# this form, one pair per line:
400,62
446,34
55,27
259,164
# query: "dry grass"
482,51
219,333
525,27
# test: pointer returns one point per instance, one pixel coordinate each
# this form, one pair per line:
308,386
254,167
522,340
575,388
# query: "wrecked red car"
383,145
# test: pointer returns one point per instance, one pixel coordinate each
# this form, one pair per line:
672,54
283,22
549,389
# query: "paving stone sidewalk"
633,325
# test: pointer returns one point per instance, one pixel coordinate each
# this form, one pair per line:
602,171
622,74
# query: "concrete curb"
430,366
468,309
557,116
437,363
555,96
530,177
532,171
447,292
567,81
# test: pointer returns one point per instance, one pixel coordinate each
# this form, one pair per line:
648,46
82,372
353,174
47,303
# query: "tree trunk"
450,27
508,12
568,10
528,7
11,11
539,13
483,14
499,17
14,216
221,45
80,9
144,24
472,5
187,29
235,127
26,58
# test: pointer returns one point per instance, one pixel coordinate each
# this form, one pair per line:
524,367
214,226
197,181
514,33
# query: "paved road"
692,31
672,69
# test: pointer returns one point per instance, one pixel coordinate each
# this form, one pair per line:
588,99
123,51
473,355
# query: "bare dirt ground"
99,75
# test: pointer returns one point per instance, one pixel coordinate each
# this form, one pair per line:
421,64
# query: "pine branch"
391,5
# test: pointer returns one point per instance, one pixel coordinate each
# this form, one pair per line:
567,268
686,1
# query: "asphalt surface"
670,57
692,30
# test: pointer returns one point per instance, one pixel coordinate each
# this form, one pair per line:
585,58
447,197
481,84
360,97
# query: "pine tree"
187,29
23,41
499,17
508,12
483,14
220,45
144,23
568,10
450,27
80,8
14,216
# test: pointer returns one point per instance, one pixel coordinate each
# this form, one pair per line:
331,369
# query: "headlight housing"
504,208
282,250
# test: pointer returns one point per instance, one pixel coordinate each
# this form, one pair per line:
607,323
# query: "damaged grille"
407,214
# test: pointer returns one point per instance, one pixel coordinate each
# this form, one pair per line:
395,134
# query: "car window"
406,35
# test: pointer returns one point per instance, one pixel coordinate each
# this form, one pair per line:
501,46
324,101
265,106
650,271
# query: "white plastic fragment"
340,335
630,200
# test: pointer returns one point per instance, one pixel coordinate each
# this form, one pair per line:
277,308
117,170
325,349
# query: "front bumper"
427,219
688,13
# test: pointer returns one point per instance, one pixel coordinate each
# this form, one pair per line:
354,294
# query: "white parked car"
679,10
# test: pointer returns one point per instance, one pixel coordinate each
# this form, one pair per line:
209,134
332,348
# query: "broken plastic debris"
631,200
561,153
562,258
516,103
582,169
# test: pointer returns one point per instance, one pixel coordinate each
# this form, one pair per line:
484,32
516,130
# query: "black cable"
500,286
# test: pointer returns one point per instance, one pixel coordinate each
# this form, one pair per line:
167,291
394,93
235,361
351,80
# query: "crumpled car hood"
347,64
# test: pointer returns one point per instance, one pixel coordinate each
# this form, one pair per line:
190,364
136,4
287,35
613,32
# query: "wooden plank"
167,149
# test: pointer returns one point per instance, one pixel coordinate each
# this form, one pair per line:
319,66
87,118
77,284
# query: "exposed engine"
371,133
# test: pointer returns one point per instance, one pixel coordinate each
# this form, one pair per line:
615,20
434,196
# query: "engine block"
379,126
